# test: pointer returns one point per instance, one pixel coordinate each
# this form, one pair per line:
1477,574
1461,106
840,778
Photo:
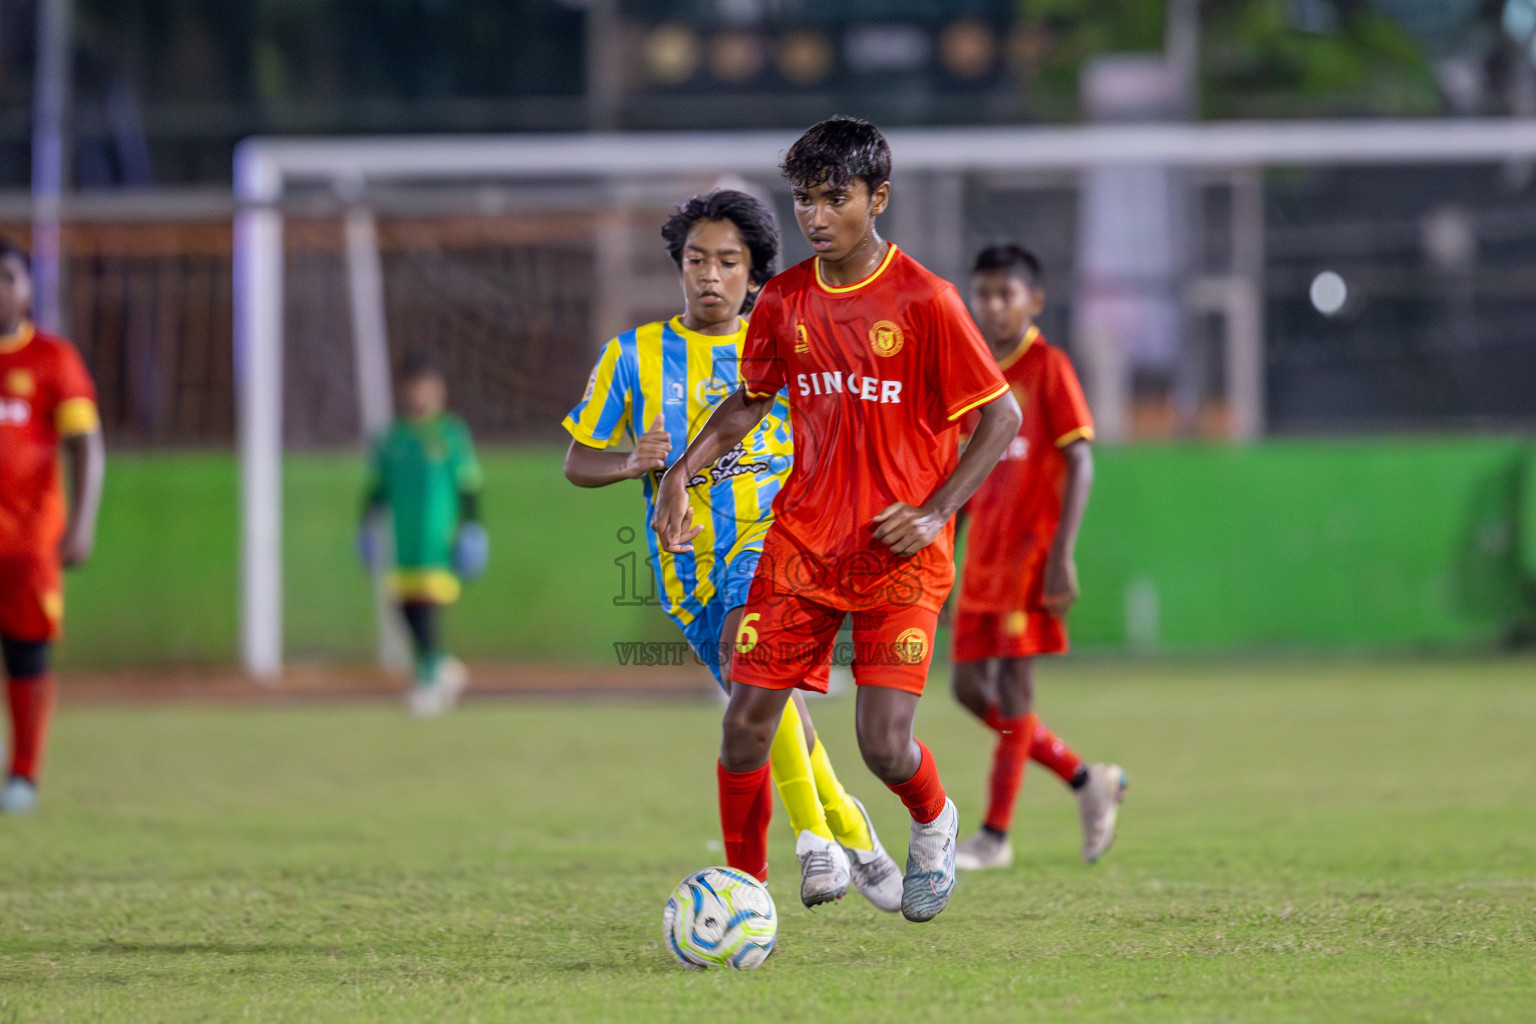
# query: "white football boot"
425,700
824,869
930,877
875,873
1098,804
428,700
984,850
18,796
452,676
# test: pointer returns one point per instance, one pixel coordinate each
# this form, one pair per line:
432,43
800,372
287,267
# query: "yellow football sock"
794,776
843,816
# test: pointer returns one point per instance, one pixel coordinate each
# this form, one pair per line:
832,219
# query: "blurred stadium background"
1314,375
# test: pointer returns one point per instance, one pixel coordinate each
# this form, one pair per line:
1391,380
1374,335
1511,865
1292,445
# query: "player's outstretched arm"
733,419
905,529
586,466
1060,585
86,456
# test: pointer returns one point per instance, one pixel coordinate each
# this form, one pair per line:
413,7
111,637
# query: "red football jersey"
45,395
1014,513
879,374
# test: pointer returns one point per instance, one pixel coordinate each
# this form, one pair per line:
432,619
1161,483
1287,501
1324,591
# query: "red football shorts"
31,598
1015,634
785,640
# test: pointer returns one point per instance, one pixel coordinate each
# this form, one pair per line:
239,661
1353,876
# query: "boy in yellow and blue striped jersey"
661,381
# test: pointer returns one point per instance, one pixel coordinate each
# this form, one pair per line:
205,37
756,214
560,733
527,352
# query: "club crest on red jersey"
885,338
20,383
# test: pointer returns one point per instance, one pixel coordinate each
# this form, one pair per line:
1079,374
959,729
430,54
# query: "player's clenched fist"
907,529
1060,587
650,451
673,520
76,547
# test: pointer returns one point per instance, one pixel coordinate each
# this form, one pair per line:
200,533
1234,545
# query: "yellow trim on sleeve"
438,586
890,254
1030,337
76,416
992,396
1080,434
17,339
583,436
757,394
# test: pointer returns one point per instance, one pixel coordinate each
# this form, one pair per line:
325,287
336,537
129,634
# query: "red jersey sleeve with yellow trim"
762,365
45,394
961,365
74,394
1065,410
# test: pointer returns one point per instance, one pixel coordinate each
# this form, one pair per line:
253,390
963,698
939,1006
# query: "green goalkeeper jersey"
419,470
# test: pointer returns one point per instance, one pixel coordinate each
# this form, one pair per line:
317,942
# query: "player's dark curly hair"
10,250
416,363
836,151
1011,257
754,222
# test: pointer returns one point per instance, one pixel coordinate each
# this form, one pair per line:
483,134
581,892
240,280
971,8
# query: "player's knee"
967,686
887,752
24,659
745,734
1015,687
888,764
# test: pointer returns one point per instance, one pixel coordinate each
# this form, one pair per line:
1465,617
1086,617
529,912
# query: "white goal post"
266,169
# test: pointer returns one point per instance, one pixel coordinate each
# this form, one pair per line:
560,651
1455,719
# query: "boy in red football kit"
881,361
47,402
1020,577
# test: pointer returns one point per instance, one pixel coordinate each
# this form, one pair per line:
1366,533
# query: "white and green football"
720,917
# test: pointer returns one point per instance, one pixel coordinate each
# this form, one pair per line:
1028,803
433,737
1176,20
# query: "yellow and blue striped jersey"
666,369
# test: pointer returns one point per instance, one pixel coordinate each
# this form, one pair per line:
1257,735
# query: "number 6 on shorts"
746,636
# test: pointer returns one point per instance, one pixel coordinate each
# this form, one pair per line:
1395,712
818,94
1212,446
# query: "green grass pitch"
1301,842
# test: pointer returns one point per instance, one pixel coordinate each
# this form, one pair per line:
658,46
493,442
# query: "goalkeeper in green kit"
424,473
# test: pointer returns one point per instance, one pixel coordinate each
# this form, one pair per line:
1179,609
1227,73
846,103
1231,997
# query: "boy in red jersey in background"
1020,577
47,402
881,361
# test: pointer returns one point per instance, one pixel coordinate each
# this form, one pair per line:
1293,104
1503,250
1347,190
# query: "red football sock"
923,793
31,709
1046,747
746,806
1008,760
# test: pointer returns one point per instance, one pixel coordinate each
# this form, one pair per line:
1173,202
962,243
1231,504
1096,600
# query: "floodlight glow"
1329,293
